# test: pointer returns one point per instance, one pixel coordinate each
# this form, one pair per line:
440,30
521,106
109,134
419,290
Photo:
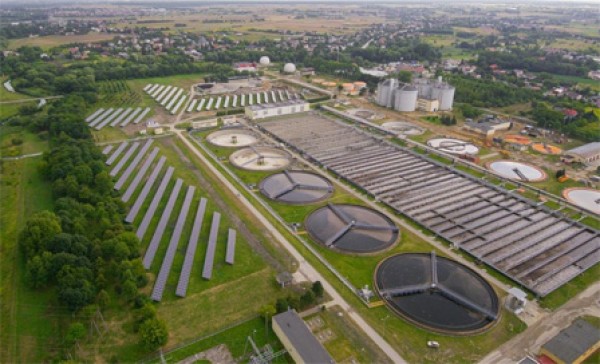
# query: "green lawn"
16,140
30,319
209,305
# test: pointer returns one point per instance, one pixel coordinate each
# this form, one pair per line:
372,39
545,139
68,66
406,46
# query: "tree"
37,270
281,305
153,334
307,299
75,333
129,290
317,288
405,76
38,231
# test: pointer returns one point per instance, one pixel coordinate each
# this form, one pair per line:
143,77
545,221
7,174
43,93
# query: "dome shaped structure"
264,61
289,68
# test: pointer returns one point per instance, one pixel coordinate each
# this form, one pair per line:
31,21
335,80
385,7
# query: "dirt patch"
219,354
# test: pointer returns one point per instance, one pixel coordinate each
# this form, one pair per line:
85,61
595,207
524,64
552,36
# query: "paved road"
20,101
530,340
23,156
304,268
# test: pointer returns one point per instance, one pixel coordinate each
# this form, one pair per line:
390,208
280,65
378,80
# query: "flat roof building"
573,344
588,154
298,340
261,111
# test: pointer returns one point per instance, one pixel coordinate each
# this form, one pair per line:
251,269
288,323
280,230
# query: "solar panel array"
232,101
113,117
162,224
125,176
165,269
141,231
133,161
170,97
142,196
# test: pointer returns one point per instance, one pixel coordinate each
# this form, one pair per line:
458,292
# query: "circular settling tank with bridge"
403,128
517,170
296,187
453,146
260,158
437,293
351,228
232,138
546,148
586,198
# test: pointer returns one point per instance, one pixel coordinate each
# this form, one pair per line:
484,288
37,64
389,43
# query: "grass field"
407,338
50,41
10,109
30,330
16,140
209,305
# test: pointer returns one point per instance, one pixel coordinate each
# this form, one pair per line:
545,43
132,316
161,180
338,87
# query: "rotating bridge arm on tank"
375,227
340,214
465,302
296,185
338,235
520,174
404,291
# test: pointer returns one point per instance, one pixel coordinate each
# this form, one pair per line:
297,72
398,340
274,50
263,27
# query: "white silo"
446,98
385,92
406,98
264,61
289,68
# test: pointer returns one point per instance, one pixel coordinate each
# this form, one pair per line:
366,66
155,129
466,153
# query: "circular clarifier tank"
232,138
296,187
546,148
586,198
403,128
351,228
437,293
518,171
260,158
453,146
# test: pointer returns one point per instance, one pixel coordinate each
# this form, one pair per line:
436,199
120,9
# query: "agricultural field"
51,41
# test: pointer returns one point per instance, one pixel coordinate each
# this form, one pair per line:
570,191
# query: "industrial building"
422,94
298,340
488,126
588,154
573,344
261,111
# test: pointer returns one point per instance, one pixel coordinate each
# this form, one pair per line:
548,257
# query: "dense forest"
535,61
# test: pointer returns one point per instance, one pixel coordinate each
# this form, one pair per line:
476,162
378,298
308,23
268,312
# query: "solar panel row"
230,254
124,160
113,157
162,224
154,204
186,270
142,196
125,176
212,246
138,177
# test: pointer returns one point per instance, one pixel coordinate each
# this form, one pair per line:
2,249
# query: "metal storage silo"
385,92
446,97
406,98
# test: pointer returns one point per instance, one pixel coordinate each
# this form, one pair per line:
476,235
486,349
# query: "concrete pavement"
548,325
